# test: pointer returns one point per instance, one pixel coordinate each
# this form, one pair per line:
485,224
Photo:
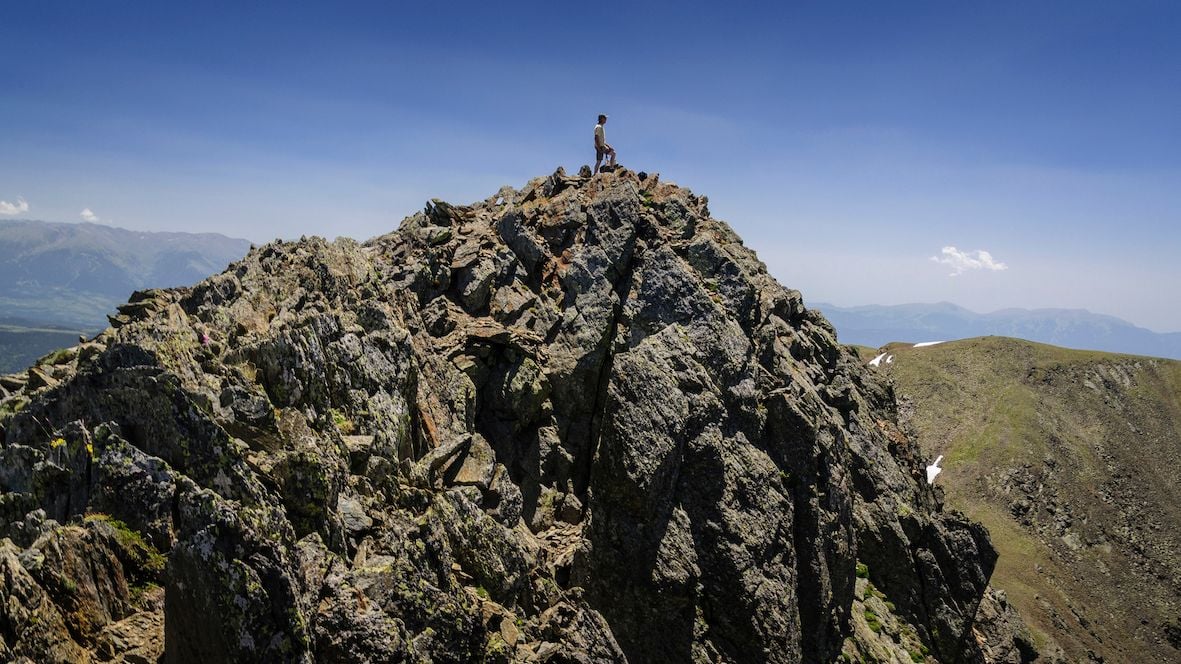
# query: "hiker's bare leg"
612,154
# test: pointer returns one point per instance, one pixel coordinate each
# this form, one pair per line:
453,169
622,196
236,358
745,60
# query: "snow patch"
933,470
877,361
926,343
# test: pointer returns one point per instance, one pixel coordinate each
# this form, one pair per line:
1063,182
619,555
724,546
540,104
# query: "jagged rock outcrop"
577,422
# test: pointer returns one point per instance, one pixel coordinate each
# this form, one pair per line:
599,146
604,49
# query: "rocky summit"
575,422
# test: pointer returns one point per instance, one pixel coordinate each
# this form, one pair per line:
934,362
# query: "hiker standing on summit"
602,148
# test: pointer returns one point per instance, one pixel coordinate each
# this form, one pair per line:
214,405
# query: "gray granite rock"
577,422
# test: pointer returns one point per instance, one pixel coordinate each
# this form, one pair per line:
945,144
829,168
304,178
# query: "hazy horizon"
811,301
990,156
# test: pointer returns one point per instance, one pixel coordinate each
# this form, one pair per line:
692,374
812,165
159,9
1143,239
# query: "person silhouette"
602,147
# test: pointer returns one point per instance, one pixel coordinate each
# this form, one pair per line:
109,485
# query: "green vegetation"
872,591
1055,451
343,424
862,571
149,559
12,407
496,649
59,356
871,619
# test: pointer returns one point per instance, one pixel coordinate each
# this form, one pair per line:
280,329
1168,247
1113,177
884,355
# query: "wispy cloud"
19,207
962,261
87,215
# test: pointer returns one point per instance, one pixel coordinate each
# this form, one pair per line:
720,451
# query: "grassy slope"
864,352
1071,458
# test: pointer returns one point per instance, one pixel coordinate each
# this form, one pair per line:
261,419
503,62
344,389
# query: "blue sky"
848,143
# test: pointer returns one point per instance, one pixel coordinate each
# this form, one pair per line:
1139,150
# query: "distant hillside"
1071,459
20,345
61,280
874,325
74,274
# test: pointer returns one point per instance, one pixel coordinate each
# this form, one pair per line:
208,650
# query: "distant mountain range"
876,325
61,280
74,274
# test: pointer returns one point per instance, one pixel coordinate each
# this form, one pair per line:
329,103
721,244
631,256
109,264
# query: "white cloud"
20,206
87,215
962,261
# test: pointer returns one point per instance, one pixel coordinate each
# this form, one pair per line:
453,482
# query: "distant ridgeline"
61,280
1070,458
876,325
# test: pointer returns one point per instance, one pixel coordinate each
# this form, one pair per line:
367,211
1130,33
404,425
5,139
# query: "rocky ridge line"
577,422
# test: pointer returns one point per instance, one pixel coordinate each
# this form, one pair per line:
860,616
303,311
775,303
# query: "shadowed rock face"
573,423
